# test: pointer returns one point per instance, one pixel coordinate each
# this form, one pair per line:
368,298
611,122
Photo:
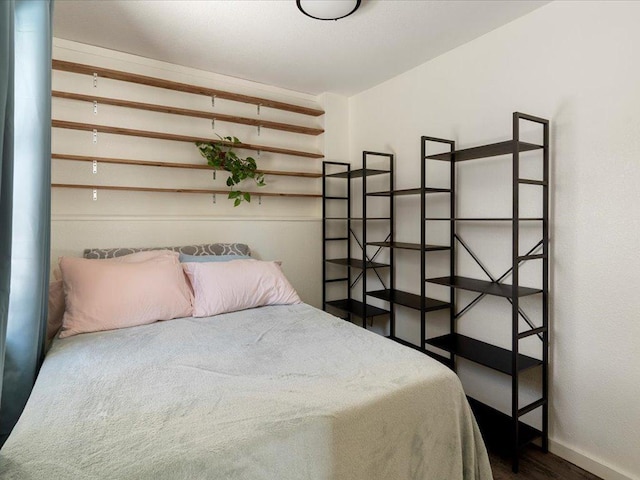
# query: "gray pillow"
206,249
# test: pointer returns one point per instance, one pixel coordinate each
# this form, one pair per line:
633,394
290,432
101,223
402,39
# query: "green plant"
220,155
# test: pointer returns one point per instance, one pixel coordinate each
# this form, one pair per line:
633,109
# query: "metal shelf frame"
513,432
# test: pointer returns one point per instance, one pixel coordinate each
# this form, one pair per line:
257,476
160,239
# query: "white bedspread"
284,392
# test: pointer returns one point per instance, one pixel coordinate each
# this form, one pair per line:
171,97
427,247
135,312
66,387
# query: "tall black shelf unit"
505,432
392,295
348,306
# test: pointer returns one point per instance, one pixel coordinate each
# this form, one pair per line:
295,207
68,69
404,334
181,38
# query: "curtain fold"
6,164
29,206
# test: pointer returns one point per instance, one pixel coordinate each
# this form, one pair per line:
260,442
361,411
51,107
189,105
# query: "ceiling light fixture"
328,9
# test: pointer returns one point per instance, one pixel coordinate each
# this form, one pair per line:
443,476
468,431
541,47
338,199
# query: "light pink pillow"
56,308
237,285
105,295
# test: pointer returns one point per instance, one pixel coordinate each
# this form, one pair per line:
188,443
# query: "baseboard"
587,463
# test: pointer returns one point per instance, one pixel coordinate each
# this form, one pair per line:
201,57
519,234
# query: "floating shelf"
409,300
483,353
358,173
410,246
407,191
358,308
485,151
189,113
194,166
181,87
357,263
178,138
497,428
481,286
178,190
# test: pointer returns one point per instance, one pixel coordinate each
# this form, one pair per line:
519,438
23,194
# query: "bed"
273,392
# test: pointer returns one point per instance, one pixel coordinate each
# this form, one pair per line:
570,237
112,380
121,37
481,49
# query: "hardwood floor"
536,465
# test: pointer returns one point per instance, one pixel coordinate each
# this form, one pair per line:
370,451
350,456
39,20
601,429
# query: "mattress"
278,392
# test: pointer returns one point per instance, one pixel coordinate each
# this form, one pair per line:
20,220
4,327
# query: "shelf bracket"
258,130
259,199
213,100
94,167
258,152
95,136
213,124
259,105
94,195
95,107
213,199
214,174
95,80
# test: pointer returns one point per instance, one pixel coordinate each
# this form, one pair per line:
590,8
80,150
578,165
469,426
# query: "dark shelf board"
358,173
408,191
482,286
484,151
357,219
410,300
356,262
357,308
483,353
440,358
497,428
409,246
486,219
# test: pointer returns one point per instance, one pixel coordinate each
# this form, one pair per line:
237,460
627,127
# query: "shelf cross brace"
498,280
367,259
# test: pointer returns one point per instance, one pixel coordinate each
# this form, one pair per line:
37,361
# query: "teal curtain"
6,162
25,211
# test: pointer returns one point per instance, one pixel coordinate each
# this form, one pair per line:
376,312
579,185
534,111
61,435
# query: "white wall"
575,63
287,229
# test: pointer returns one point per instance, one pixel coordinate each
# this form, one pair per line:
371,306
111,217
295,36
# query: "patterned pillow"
206,249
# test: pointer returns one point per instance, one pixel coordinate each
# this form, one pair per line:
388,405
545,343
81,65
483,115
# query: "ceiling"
271,42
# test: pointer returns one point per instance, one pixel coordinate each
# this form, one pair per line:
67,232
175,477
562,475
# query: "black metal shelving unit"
392,295
506,432
347,305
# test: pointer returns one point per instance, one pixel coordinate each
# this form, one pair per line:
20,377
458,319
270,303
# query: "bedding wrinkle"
281,392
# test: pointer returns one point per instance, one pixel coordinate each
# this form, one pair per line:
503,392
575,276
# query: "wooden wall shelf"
178,138
146,163
180,87
178,190
189,113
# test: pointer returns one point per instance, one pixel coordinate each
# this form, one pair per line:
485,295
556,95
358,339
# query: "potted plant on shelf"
221,156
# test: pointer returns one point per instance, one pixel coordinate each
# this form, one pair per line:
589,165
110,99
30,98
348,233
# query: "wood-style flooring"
537,465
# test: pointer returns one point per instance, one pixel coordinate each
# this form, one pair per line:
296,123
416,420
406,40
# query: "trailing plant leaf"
220,155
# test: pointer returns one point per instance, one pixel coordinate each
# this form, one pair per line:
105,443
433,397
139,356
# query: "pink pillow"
105,295
56,308
237,285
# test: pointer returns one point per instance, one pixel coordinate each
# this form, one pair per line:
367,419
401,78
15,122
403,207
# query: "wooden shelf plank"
195,166
180,87
177,138
188,113
178,190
